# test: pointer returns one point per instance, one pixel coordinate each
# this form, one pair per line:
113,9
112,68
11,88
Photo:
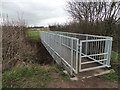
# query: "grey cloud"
34,12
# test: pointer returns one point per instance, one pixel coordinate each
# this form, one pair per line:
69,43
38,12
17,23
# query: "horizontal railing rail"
72,50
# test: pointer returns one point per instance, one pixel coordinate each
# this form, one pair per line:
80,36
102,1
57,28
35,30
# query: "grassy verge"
31,76
115,73
18,73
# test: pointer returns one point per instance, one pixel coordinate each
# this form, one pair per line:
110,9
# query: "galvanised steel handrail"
71,49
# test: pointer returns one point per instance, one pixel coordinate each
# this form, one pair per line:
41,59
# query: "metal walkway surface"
78,52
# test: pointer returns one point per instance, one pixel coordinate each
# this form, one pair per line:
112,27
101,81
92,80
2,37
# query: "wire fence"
78,52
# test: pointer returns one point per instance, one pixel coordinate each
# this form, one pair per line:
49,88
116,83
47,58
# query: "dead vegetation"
16,47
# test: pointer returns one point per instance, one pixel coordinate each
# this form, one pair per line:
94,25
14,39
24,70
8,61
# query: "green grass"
15,74
33,34
113,76
63,75
115,57
18,73
32,76
39,30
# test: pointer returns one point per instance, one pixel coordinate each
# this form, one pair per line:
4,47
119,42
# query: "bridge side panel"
63,49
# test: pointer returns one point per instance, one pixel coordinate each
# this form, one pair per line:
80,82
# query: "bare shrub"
16,48
13,38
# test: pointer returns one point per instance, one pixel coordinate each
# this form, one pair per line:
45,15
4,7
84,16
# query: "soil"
93,82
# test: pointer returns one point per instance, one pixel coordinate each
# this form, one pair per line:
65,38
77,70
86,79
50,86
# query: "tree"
94,11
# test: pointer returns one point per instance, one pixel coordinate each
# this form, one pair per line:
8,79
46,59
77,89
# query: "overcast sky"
36,12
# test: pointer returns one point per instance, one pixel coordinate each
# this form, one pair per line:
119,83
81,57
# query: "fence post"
86,45
61,49
109,52
77,56
80,56
71,73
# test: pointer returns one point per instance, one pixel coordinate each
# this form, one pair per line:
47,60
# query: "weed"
16,74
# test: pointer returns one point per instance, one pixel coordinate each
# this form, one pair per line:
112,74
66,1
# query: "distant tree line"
36,27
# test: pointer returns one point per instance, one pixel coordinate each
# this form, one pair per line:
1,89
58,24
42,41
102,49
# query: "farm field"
52,76
33,34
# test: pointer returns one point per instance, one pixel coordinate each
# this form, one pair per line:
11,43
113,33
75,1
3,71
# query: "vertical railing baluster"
71,73
109,51
86,45
77,56
80,56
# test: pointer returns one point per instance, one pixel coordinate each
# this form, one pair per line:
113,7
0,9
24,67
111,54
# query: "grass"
115,57
64,76
113,76
33,34
18,73
31,76
15,74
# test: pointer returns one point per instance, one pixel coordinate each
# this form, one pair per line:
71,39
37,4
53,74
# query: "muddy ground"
93,82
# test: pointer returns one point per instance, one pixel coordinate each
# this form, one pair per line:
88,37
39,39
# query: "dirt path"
94,82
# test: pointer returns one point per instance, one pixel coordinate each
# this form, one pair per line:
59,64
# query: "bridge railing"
73,51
